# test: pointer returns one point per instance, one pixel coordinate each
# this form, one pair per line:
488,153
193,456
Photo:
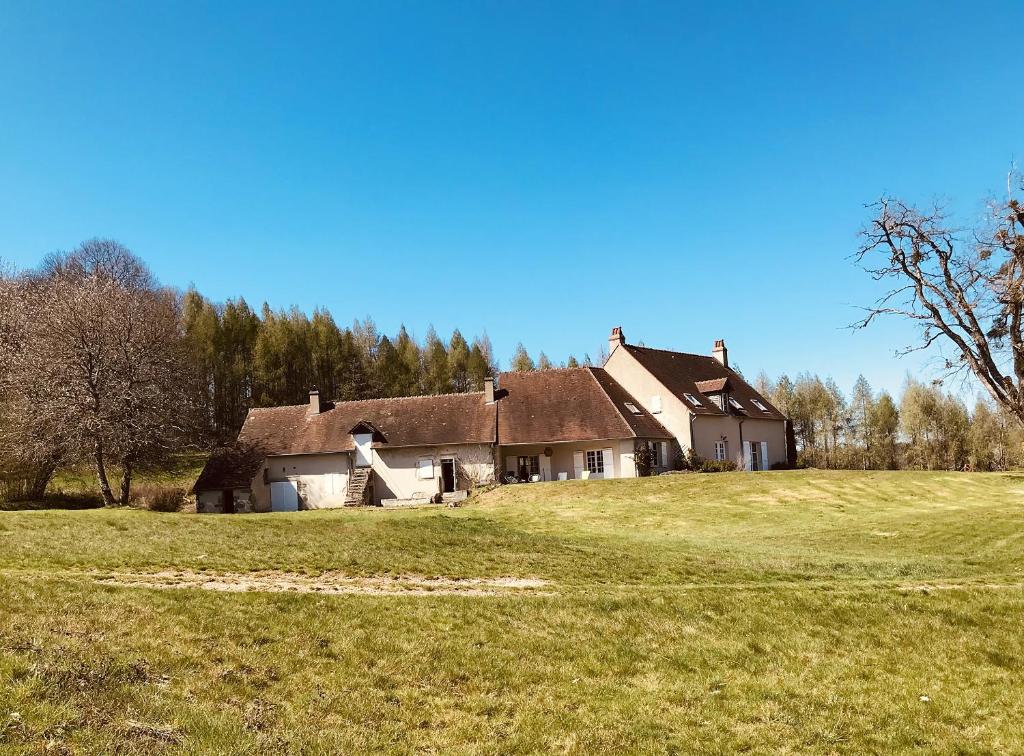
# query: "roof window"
693,400
735,404
632,408
760,406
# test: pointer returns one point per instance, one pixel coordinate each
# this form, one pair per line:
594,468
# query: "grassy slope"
782,611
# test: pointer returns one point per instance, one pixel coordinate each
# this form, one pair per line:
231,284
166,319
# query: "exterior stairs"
358,493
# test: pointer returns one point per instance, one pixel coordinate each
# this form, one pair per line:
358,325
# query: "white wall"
322,479
396,473
562,457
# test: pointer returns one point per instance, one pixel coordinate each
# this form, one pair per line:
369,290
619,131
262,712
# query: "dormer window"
694,401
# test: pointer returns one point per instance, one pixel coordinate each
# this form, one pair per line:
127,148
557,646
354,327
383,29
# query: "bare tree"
964,288
98,367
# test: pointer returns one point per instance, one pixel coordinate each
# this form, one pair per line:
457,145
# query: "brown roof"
569,404
401,421
230,466
713,386
683,373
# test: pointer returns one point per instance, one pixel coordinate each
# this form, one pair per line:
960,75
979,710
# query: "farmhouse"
639,412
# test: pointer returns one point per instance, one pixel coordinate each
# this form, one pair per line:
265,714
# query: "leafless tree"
98,365
963,287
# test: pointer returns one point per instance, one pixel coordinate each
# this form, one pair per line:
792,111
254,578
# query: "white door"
284,496
363,451
545,467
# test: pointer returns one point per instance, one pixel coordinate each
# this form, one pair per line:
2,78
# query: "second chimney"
314,401
720,353
488,390
615,339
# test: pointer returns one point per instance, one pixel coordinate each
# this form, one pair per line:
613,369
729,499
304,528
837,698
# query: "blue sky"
541,171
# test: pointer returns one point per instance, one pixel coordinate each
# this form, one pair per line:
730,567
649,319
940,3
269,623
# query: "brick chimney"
720,353
314,401
615,339
489,390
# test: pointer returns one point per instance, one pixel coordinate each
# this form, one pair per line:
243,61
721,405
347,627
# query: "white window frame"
694,401
593,461
734,403
721,450
425,468
632,408
760,406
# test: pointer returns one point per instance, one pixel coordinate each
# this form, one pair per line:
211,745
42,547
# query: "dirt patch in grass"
327,583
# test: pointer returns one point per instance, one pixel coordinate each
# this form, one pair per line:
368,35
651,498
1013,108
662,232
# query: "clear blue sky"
542,171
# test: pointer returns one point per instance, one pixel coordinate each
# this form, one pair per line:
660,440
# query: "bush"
159,497
717,465
692,460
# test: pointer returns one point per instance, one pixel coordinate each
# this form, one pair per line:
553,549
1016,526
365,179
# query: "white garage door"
284,496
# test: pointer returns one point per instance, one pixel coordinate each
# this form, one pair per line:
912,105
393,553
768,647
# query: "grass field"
791,611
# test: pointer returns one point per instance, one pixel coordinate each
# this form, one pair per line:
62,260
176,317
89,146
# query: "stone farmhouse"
546,425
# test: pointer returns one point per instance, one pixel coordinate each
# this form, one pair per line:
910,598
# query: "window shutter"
764,455
746,456
577,464
663,462
609,463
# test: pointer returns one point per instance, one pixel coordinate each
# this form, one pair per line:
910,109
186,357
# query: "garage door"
284,496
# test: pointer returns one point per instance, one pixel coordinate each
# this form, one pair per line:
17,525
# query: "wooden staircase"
358,492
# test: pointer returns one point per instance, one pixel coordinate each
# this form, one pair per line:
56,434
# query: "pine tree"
521,361
477,368
436,376
543,363
572,362
458,362
409,376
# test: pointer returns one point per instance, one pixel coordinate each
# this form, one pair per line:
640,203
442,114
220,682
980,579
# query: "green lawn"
790,611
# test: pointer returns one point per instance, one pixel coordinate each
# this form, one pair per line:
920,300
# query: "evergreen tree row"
243,359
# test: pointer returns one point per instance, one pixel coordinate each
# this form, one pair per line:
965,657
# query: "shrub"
159,497
717,465
643,457
692,460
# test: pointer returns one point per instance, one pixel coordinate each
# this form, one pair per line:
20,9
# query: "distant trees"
964,290
927,429
97,364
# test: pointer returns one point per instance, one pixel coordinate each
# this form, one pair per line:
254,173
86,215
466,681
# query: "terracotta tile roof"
681,373
568,404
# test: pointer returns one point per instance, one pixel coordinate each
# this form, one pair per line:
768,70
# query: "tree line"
924,428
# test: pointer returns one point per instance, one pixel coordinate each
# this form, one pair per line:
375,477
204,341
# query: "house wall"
635,378
212,502
322,480
562,457
396,471
708,429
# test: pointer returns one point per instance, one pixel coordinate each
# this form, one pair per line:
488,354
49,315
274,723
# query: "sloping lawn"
792,611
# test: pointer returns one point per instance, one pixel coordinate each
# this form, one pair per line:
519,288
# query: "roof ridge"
622,417
673,351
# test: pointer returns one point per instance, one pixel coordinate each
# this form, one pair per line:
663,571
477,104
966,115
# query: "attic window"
736,405
759,405
632,408
693,400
